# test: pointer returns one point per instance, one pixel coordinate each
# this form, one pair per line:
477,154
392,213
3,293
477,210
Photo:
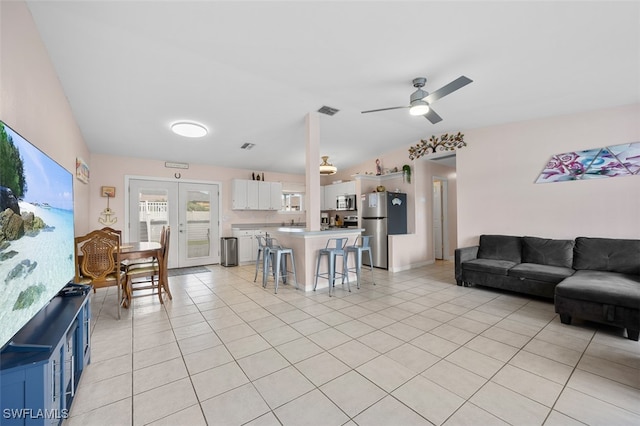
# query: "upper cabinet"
331,192
255,195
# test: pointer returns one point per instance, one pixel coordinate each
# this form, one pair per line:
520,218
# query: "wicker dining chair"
98,261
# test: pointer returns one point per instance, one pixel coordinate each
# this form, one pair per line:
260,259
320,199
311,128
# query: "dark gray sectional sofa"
596,279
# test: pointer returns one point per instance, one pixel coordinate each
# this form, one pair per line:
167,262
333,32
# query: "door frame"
128,178
445,215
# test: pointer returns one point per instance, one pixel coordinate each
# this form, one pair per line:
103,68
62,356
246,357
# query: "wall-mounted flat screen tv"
36,231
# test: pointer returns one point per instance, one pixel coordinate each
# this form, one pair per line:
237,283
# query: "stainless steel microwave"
346,202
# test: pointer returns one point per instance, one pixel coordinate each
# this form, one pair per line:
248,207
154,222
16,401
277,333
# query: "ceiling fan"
420,100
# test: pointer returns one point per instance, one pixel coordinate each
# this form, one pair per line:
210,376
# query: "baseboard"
412,266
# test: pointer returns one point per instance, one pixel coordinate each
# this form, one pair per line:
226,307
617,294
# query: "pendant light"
327,168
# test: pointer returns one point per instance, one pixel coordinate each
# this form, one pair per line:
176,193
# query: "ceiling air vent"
247,145
328,110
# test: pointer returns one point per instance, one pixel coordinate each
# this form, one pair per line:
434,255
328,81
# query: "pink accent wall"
107,170
33,102
498,168
416,248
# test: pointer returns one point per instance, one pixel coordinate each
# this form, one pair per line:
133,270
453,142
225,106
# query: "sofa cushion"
608,288
607,254
545,251
500,247
546,273
490,266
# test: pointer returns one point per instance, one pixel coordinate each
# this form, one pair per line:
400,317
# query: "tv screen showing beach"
36,231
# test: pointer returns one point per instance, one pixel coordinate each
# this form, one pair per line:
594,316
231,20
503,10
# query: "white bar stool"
360,245
334,248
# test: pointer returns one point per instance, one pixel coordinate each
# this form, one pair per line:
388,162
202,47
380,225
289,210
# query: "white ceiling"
251,71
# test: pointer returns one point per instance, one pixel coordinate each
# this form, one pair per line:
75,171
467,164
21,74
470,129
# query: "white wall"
497,170
32,101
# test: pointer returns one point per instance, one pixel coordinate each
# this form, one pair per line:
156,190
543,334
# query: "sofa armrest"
462,255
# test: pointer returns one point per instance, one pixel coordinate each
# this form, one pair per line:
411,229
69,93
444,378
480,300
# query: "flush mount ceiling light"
419,107
189,129
327,168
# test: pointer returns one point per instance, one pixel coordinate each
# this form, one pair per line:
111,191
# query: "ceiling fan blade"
448,88
432,116
384,109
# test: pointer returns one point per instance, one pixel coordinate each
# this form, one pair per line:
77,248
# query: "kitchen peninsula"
305,245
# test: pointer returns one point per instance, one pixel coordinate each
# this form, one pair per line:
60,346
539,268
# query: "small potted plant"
406,173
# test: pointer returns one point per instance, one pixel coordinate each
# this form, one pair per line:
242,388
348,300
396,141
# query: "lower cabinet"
41,368
247,244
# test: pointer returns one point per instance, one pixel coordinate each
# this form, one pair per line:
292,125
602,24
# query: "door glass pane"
198,223
153,206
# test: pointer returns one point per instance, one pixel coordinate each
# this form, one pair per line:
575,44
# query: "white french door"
191,210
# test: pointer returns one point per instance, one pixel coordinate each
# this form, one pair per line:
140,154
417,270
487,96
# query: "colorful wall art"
609,161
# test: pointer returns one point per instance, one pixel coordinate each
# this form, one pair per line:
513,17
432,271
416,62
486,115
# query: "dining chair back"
150,275
97,261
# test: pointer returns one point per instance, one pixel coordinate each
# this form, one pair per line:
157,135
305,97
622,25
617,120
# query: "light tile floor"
414,349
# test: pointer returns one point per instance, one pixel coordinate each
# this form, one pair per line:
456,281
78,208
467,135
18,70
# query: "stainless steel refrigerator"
383,214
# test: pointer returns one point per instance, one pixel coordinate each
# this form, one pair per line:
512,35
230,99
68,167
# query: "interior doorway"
191,209
440,222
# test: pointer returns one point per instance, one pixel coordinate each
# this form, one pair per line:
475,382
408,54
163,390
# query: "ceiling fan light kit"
420,100
419,108
327,168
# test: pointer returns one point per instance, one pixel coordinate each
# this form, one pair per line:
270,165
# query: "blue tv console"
41,367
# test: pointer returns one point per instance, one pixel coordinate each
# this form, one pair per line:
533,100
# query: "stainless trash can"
229,251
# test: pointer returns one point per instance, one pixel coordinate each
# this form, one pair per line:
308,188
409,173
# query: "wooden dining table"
143,250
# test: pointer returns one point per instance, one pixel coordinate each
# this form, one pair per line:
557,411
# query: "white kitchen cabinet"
246,239
322,202
276,195
330,194
255,195
332,191
253,191
346,188
264,196
239,194
270,196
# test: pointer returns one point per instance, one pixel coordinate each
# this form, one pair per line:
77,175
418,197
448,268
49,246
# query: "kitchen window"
292,202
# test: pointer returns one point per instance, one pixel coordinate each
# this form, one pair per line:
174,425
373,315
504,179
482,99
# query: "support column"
312,175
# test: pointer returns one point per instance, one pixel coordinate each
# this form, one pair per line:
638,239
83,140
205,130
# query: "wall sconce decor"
107,217
608,161
446,142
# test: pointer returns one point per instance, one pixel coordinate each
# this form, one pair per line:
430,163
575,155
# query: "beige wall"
32,101
497,170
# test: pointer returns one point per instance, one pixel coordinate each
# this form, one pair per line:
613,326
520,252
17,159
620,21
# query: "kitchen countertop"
305,244
265,225
303,232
